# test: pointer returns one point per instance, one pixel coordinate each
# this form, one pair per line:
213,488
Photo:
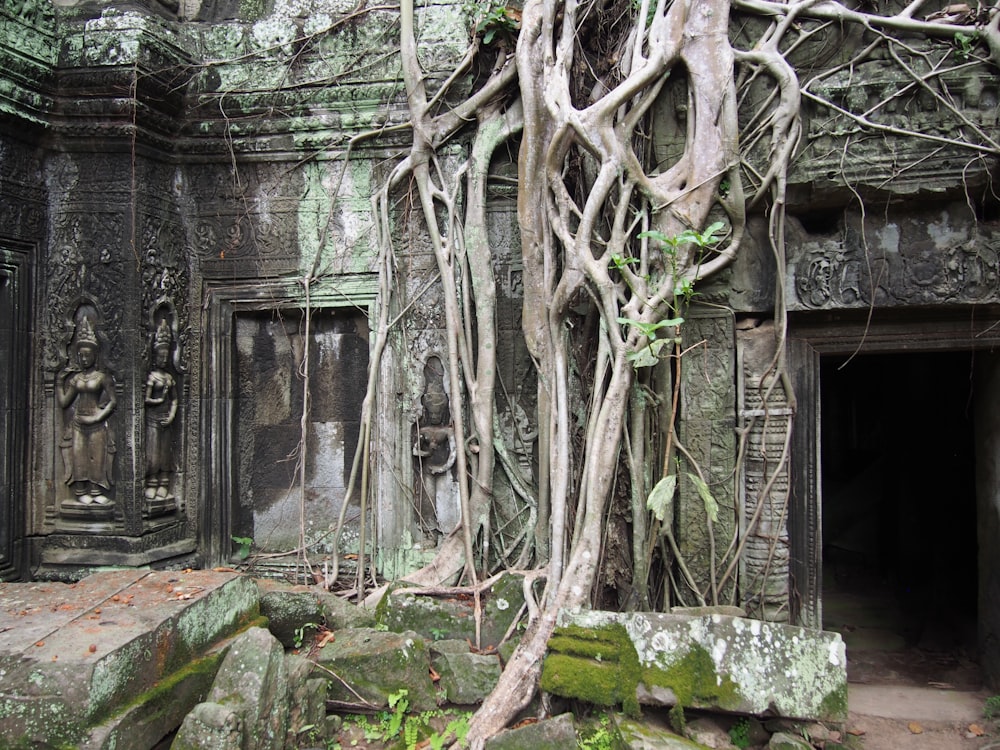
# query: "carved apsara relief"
85,396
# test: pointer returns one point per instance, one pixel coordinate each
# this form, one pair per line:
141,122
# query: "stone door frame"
15,290
216,441
814,335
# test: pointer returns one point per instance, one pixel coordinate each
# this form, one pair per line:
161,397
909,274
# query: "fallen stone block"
210,726
116,635
465,678
366,666
650,734
253,681
557,733
785,741
717,662
289,612
449,617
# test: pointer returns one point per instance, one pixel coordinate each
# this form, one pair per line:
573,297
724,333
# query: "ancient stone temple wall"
186,189
179,184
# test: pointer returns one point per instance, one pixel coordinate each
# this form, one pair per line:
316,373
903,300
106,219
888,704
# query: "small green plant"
964,43
299,637
243,544
438,633
493,19
991,709
739,733
601,737
398,702
456,731
683,291
394,728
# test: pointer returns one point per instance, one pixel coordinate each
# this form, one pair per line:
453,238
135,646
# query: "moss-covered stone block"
715,662
367,665
465,678
123,633
598,665
443,617
651,734
292,609
288,611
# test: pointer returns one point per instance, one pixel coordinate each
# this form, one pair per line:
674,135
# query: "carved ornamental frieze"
894,265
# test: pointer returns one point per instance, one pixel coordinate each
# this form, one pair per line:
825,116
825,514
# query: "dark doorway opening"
900,568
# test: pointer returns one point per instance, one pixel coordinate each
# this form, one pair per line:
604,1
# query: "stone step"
74,655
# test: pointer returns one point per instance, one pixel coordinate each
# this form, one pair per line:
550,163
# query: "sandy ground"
896,717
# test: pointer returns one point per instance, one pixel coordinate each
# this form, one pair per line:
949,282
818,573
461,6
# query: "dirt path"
894,717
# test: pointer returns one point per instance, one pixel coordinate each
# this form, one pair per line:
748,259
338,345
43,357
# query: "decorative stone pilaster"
765,415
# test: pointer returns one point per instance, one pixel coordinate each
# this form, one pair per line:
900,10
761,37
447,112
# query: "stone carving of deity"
434,447
86,395
161,410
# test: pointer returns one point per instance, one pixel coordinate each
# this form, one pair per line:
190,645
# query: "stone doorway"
900,571
896,486
269,403
14,362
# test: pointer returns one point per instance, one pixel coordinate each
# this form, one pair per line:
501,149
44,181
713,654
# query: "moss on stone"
162,693
597,665
694,681
833,707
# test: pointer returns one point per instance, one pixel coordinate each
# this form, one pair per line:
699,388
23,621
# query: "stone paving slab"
31,612
73,654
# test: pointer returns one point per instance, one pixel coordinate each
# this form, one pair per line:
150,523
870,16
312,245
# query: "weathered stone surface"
707,731
649,734
118,634
550,734
307,697
376,664
287,612
210,726
339,613
720,663
253,681
437,617
160,711
289,608
466,678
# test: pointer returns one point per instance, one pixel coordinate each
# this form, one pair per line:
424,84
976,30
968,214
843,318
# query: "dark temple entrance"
899,511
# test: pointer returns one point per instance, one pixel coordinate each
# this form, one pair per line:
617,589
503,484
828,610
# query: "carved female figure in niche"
87,398
434,446
161,409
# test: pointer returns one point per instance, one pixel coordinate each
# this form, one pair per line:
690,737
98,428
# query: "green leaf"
711,506
643,358
713,229
650,329
661,499
619,261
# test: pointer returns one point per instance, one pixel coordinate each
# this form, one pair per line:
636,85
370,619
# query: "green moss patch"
597,665
834,705
695,682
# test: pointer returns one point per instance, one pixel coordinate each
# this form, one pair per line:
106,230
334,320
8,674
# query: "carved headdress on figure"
163,338
85,335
